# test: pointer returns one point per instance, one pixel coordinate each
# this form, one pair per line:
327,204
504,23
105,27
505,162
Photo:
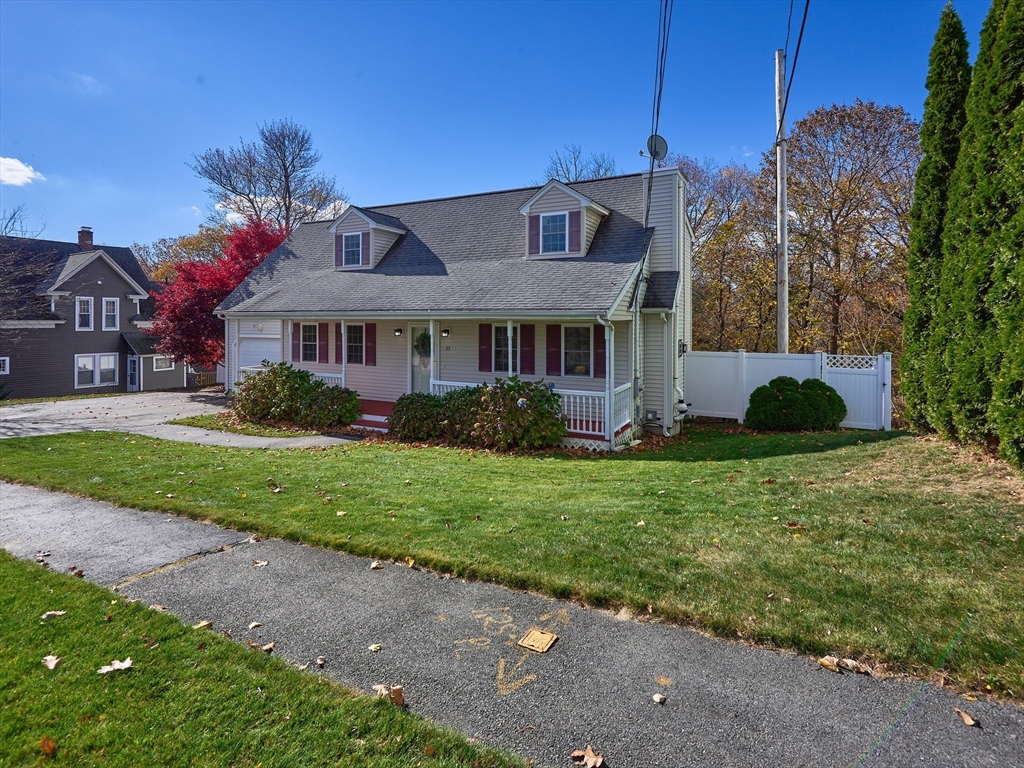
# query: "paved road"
452,645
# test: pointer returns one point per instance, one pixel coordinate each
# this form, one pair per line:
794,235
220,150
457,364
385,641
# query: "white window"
83,313
5,366
110,315
309,347
501,348
163,363
554,233
353,245
577,351
354,344
95,370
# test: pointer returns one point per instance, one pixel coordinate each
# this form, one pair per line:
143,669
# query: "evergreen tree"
957,388
949,79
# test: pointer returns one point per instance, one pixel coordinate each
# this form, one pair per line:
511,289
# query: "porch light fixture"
445,332
398,331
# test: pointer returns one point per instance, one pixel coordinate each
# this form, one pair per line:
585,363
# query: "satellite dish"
658,147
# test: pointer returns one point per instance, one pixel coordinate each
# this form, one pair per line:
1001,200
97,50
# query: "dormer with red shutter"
362,237
560,222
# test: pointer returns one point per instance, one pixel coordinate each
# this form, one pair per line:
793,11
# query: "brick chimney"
85,238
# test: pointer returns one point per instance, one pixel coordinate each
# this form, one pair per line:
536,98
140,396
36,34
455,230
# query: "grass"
192,697
901,539
228,422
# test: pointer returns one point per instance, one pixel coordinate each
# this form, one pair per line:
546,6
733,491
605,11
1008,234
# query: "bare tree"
19,274
273,178
569,165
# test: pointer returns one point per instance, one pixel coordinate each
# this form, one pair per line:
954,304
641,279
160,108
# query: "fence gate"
719,383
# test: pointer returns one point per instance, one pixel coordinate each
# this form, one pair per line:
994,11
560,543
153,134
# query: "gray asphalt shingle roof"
462,254
661,290
141,343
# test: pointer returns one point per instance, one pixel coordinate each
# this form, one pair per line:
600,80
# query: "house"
74,318
557,283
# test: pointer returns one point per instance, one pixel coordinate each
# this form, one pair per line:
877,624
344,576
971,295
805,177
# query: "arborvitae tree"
1006,297
957,389
949,79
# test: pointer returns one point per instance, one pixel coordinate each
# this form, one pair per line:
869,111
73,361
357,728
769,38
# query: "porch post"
344,354
609,398
433,355
508,336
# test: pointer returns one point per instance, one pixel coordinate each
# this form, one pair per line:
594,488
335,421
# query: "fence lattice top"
858,362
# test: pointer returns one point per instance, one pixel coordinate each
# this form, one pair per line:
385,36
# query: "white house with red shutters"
559,283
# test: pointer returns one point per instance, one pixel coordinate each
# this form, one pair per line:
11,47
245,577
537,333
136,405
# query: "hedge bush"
786,405
510,413
282,393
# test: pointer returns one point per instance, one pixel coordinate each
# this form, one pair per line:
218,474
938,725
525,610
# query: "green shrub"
785,405
459,413
416,417
283,393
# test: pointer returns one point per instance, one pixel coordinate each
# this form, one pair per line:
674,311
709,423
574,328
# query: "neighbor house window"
309,343
110,315
83,313
501,348
354,344
95,370
5,366
163,363
353,250
553,230
577,350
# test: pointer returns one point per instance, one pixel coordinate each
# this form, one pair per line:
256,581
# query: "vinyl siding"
380,242
623,359
555,201
351,221
664,218
591,219
654,371
153,379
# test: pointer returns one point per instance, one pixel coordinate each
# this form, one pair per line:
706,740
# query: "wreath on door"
421,344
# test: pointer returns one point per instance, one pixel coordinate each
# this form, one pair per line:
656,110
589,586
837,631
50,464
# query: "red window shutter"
339,250
534,235
365,240
339,344
484,346
296,342
370,344
554,350
321,343
527,355
600,353
574,231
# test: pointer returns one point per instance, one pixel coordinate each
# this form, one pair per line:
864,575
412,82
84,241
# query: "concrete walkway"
452,644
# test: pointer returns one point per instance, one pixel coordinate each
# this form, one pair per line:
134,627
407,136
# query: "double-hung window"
354,347
162,363
353,245
5,366
309,339
110,314
83,313
95,370
553,232
577,351
501,351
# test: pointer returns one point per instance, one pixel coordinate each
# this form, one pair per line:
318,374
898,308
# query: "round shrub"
326,406
785,405
282,393
416,416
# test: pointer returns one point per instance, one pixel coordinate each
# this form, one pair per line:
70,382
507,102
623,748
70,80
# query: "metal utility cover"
538,640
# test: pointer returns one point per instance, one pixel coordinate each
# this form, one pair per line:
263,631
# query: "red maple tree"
189,331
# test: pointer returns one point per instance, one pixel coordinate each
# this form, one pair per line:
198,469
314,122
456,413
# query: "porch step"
376,423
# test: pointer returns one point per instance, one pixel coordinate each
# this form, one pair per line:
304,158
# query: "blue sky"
107,102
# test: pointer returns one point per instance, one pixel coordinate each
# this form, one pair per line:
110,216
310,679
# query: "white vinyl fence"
719,383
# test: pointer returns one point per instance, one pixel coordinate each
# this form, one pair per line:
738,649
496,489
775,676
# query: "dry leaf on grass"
796,526
48,746
855,666
376,565
587,757
115,665
268,648
968,720
51,662
830,662
392,692
203,625
53,614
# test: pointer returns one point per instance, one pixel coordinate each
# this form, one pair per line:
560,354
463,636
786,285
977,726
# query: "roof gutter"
553,315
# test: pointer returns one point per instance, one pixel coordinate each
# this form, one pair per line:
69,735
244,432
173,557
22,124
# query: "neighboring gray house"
69,308
548,282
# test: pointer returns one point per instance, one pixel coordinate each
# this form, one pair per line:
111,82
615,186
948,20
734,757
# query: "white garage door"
255,351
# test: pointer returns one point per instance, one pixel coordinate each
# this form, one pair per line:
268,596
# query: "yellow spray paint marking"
506,686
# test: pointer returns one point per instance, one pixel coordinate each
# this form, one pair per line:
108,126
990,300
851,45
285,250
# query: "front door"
420,358
133,374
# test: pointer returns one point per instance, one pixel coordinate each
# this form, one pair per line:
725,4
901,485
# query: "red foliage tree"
189,331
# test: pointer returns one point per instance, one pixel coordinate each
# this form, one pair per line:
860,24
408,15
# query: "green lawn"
192,697
228,422
875,546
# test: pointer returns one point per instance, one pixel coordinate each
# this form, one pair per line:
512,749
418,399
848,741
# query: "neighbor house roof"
142,343
459,254
661,290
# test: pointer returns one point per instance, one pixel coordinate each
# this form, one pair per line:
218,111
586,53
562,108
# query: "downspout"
609,383
666,422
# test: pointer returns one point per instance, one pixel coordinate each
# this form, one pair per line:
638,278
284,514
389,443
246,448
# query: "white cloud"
16,173
196,212
87,85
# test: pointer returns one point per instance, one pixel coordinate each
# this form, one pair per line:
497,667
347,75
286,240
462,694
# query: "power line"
789,21
792,72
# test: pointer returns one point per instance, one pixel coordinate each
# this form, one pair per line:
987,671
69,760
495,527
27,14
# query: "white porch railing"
444,387
331,379
622,405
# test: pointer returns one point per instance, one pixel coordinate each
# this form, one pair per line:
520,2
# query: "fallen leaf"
796,526
203,625
53,614
969,698
429,750
587,757
259,563
268,648
410,562
768,481
771,596
48,746
109,617
200,646
51,662
302,667
157,607
968,720
565,517
855,666
867,522
659,698
375,647
255,624
115,665
641,524
376,565
830,663
321,660
342,513
382,690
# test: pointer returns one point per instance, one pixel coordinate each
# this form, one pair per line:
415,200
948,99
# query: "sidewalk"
452,644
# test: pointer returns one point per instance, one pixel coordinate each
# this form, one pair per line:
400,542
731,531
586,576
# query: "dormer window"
353,246
553,232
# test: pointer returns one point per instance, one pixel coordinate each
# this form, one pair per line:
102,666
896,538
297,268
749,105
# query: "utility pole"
781,219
